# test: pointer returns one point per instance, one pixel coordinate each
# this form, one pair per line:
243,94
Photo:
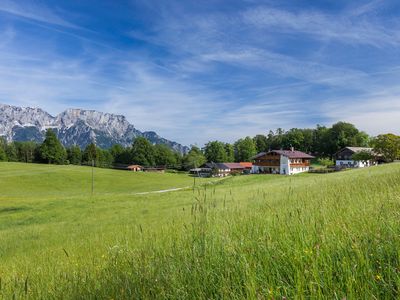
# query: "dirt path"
163,191
177,189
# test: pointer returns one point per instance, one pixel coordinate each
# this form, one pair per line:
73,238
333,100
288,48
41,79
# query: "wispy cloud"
33,11
286,66
375,114
345,28
7,35
209,73
367,8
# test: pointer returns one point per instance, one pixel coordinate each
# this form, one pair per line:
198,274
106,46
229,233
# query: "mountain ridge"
74,126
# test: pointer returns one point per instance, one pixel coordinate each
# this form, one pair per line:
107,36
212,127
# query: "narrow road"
178,189
163,191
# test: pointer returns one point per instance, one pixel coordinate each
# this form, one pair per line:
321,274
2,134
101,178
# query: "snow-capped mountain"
74,127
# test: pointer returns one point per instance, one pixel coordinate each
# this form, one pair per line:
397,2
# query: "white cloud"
375,114
150,97
367,8
187,96
288,67
33,11
345,28
7,35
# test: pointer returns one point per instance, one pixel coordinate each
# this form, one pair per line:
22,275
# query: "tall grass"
331,236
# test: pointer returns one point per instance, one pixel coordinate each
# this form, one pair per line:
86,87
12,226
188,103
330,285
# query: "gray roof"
220,166
200,170
359,149
259,155
224,166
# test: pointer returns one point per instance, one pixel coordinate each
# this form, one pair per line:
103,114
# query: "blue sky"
196,71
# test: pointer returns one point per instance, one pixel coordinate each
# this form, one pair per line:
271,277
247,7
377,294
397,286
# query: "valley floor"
330,236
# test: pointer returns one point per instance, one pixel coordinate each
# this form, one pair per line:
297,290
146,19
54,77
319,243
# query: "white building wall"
354,163
264,169
255,169
296,170
284,168
284,165
287,169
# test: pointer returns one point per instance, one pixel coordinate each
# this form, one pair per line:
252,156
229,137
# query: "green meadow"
308,236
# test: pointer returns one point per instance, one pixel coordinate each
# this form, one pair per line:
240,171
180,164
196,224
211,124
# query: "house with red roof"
247,165
285,162
225,169
134,168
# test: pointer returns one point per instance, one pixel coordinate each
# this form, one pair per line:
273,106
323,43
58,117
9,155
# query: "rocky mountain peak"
74,127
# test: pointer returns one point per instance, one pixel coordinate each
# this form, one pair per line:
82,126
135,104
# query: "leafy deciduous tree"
344,134
245,149
261,143
230,152
326,162
143,152
388,145
164,156
194,159
362,156
215,152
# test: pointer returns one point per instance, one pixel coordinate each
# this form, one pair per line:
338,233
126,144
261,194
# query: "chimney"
292,149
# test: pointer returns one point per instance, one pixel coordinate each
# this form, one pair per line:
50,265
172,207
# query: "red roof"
134,166
246,164
287,153
234,165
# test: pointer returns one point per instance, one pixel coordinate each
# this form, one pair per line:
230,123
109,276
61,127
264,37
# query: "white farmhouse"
344,158
285,162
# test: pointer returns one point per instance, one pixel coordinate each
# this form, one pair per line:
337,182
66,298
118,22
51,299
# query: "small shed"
154,169
201,172
134,168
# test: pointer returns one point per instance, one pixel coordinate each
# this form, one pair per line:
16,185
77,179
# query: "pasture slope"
308,236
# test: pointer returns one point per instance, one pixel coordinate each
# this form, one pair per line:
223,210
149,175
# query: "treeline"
142,152
321,141
51,151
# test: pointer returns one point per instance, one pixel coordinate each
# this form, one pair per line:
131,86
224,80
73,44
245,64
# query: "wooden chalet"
285,162
344,158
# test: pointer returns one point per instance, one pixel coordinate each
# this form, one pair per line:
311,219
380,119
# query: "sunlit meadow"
315,236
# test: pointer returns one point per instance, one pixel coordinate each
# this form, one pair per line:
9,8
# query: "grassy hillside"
257,237
40,180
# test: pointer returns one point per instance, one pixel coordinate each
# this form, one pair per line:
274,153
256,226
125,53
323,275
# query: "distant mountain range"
74,127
